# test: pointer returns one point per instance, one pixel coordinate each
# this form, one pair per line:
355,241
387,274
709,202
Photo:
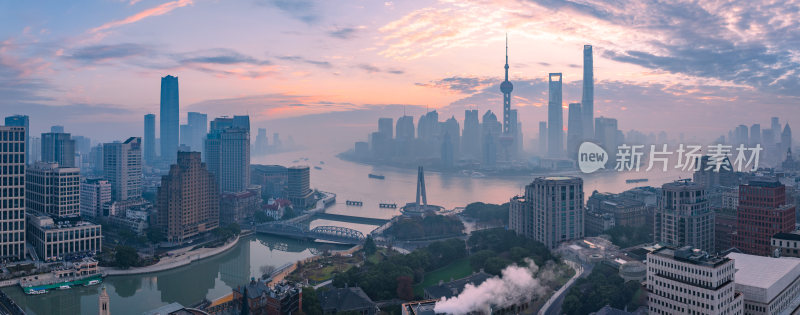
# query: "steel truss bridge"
326,232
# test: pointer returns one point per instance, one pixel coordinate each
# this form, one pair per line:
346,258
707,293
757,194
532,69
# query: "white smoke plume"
518,284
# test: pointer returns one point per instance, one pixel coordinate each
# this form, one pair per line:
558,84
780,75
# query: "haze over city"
89,64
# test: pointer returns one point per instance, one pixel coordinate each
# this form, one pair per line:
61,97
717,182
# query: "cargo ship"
376,176
82,273
636,180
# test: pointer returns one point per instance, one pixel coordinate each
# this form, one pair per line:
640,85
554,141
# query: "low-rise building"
687,281
54,240
786,244
350,299
283,298
770,285
236,207
597,222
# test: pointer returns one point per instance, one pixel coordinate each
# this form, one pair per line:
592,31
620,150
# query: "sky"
695,67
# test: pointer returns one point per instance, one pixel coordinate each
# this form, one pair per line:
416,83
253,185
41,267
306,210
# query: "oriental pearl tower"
507,138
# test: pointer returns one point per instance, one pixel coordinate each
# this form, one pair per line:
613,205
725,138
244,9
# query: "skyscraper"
542,138
755,135
262,142
122,167
587,99
188,199
606,134
58,148
683,216
227,150
452,131
53,190
555,118
491,130
575,130
12,201
149,138
775,125
198,128
298,187
405,136
506,87
170,119
551,211
24,121
763,212
471,136
786,138
385,127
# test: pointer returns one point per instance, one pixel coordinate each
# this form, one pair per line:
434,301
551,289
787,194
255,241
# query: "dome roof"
506,87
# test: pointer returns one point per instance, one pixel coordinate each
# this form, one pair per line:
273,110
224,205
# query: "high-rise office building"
122,167
775,125
740,135
12,199
385,127
683,216
58,148
22,121
197,129
786,138
57,129
34,151
551,211
53,190
763,212
169,119
149,138
405,128
452,130
447,152
188,199
606,134
542,138
227,156
471,136
755,134
587,99
684,281
490,133
262,142
95,193
555,118
298,187
575,130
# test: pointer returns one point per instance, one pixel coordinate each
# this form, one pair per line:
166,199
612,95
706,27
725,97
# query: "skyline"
315,58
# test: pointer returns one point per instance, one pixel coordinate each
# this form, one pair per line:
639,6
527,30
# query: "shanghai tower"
169,119
587,100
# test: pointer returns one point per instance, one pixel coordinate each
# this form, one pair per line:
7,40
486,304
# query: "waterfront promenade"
174,259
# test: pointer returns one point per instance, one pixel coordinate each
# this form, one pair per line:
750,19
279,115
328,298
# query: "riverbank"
175,259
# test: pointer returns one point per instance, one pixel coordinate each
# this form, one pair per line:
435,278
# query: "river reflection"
210,278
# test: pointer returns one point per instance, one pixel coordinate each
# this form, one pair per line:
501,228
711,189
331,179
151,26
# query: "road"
553,306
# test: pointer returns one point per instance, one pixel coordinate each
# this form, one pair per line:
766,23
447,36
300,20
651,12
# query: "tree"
288,213
405,290
155,234
369,246
311,303
126,256
261,217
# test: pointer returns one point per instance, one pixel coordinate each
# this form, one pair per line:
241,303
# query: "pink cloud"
154,11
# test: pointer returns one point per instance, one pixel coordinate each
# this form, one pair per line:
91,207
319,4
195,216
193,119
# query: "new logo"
591,157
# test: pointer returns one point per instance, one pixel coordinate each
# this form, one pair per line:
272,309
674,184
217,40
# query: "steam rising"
519,284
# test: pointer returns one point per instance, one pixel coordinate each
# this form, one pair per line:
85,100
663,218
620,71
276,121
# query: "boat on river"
81,273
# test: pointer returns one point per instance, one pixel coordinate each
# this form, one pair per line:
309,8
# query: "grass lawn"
455,270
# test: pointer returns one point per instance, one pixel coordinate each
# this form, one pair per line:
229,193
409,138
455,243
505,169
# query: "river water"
214,277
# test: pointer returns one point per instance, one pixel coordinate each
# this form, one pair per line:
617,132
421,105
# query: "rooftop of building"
561,178
257,287
771,281
692,256
345,299
787,236
608,310
173,309
766,182
48,223
425,307
455,287
683,184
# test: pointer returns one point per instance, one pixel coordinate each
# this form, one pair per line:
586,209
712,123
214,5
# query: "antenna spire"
506,56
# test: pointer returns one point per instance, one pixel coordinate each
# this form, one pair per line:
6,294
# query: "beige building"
683,216
188,199
687,281
552,208
770,285
53,190
54,240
